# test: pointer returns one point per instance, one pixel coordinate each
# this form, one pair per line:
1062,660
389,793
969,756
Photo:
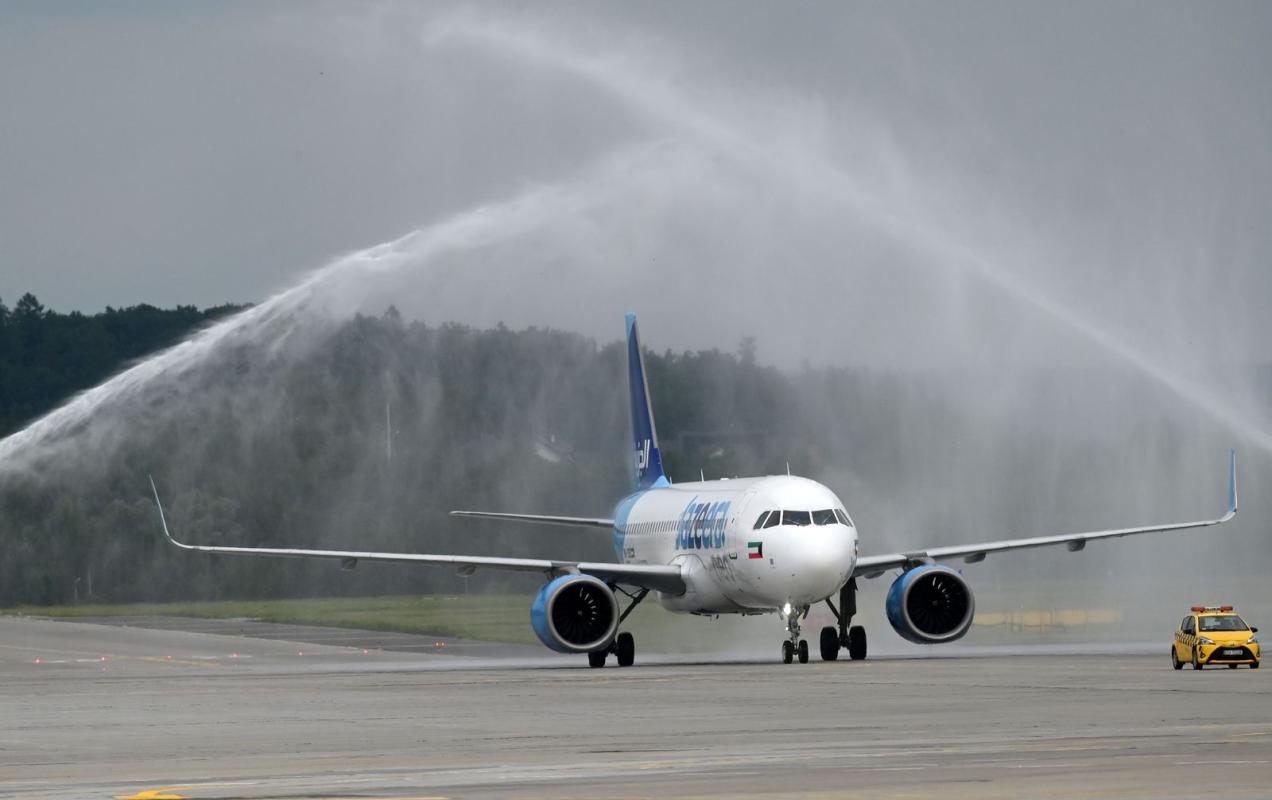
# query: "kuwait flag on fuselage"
755,549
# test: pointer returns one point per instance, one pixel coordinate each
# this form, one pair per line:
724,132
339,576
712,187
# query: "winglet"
162,520
1232,484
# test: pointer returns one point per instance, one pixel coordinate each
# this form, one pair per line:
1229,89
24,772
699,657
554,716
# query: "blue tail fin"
649,468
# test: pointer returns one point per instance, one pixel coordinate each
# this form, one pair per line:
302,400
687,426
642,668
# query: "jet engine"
575,614
930,604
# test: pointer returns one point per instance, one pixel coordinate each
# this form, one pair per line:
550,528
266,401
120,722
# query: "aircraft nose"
825,557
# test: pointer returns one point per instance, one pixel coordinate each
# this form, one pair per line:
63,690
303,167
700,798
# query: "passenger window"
824,517
843,517
759,523
800,518
775,519
1183,625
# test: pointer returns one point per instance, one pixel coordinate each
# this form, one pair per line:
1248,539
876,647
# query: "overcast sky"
1112,157
976,191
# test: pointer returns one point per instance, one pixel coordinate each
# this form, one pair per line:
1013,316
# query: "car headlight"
1204,640
1253,640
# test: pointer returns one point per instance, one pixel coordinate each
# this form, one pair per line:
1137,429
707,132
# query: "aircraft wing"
658,577
541,519
874,566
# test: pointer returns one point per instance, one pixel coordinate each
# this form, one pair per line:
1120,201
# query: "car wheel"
1254,665
1196,662
1174,659
1232,666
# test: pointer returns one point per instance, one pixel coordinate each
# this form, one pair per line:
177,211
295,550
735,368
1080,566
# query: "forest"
363,432
363,438
45,356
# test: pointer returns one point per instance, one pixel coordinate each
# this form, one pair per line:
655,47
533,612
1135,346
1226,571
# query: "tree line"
362,433
46,356
363,438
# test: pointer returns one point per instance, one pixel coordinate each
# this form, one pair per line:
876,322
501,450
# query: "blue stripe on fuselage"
621,513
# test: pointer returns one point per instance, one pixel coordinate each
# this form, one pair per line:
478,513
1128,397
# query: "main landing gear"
794,646
853,638
624,645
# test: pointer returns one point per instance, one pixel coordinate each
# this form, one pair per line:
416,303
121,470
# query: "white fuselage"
730,566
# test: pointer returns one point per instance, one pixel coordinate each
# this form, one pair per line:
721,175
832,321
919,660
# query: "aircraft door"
737,530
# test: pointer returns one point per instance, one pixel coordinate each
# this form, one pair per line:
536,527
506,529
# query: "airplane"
732,546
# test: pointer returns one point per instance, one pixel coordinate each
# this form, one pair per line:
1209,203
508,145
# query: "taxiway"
218,710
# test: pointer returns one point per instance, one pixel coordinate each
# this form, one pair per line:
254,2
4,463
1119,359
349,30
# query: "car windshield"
825,517
796,518
1224,622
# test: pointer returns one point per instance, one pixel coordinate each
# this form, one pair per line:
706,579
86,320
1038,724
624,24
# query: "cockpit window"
774,519
824,517
839,512
800,518
759,523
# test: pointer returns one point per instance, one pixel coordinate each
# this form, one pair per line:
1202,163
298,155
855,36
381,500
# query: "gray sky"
1112,156
981,191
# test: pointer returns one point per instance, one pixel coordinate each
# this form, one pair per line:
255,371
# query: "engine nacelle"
930,604
575,614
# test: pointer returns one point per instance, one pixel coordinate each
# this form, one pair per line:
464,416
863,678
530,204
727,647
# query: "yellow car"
1214,635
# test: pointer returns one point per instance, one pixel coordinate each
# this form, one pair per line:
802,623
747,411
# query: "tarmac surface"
237,709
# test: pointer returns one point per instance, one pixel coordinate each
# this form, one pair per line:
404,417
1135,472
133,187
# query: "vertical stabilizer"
649,468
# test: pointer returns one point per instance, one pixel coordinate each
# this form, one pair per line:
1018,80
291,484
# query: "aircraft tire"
788,652
1174,659
626,646
596,659
829,644
803,651
857,643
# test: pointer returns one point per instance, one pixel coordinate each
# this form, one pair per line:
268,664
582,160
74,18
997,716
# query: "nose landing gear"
794,646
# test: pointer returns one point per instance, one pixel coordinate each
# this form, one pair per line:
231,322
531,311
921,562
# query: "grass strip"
496,618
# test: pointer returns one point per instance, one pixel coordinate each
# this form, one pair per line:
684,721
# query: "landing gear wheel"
625,649
1196,663
596,659
829,644
857,643
793,643
1174,659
